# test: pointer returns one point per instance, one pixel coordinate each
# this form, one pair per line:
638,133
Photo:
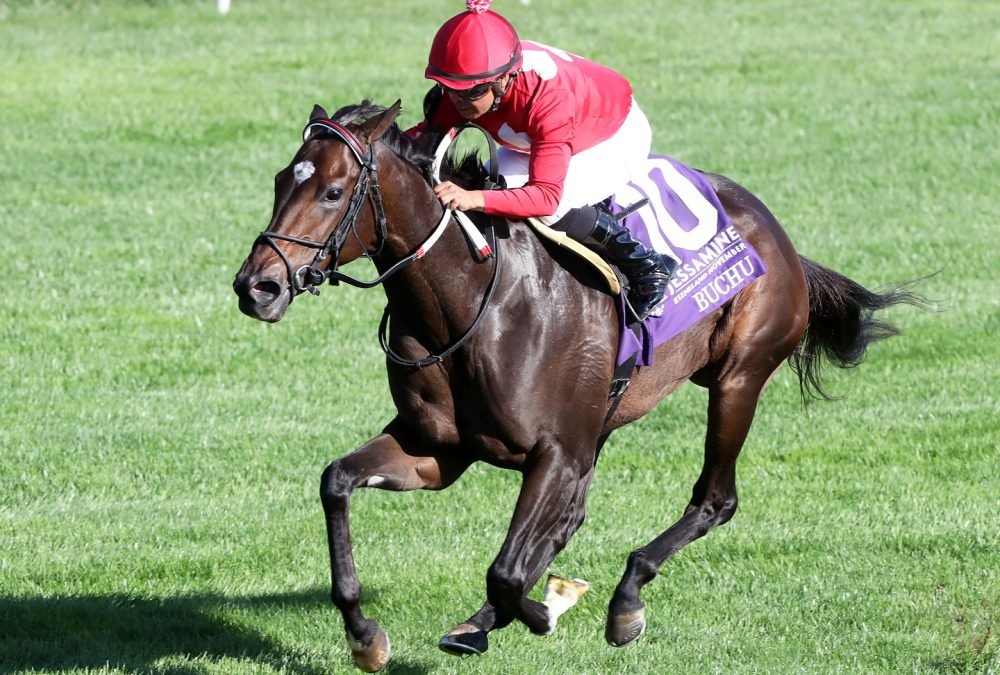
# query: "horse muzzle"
263,295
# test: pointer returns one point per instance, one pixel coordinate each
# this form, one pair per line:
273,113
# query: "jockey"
569,134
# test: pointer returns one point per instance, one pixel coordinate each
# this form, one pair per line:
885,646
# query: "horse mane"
464,169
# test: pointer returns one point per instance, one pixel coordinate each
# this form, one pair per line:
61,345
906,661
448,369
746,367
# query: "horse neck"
438,295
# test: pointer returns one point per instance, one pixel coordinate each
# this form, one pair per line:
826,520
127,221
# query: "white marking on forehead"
302,171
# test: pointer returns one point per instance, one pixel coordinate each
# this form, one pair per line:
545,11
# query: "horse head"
319,220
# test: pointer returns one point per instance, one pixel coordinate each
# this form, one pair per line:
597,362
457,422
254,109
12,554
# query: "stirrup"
647,309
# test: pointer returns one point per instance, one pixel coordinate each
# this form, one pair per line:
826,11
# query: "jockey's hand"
455,197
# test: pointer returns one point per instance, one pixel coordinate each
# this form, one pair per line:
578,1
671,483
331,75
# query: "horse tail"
842,323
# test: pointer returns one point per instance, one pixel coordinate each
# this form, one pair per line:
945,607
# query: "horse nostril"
265,291
257,289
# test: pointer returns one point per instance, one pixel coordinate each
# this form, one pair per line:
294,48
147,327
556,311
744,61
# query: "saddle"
544,229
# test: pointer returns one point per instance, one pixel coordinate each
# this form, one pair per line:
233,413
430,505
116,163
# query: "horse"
511,365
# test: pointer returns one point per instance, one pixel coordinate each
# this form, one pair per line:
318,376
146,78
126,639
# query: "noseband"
308,277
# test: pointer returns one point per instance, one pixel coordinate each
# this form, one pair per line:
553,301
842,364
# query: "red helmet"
473,47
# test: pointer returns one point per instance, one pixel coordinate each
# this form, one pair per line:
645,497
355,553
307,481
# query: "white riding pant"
595,173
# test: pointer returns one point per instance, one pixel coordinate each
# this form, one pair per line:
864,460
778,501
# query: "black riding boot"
648,272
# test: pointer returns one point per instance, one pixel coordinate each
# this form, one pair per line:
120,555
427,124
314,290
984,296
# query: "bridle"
308,277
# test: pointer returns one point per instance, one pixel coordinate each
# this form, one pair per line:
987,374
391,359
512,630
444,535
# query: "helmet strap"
498,93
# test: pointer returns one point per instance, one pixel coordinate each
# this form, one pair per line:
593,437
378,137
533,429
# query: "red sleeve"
416,130
445,117
552,130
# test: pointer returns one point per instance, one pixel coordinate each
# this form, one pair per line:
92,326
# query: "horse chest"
466,419
429,412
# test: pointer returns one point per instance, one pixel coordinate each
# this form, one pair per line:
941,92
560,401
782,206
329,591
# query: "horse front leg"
386,462
550,509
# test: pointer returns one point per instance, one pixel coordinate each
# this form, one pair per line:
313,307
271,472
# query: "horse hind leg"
387,463
731,407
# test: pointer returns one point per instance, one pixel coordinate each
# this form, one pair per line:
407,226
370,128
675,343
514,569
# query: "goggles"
472,93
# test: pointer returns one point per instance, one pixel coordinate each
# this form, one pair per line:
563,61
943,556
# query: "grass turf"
160,453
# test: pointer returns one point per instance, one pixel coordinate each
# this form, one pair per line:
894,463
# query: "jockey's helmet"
473,47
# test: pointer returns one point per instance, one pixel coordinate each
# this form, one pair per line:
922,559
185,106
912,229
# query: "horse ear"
379,124
318,113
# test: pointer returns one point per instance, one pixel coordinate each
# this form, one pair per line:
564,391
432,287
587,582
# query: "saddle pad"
685,220
541,226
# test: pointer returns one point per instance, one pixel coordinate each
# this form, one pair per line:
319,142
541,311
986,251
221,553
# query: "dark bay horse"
527,390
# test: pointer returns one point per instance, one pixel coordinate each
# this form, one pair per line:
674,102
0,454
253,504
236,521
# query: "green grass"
160,453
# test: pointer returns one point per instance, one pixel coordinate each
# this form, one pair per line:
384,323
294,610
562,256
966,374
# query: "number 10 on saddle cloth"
685,220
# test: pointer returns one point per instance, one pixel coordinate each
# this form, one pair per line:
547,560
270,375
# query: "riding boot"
647,271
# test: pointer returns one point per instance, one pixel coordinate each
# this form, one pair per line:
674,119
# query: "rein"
308,277
484,250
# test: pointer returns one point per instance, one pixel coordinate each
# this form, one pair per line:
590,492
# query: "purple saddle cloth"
685,220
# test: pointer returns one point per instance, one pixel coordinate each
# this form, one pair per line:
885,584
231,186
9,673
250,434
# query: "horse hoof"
625,628
373,657
465,640
560,595
560,591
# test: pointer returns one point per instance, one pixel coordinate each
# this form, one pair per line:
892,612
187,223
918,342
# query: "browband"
337,130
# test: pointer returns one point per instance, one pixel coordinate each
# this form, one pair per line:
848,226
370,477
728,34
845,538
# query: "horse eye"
333,194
